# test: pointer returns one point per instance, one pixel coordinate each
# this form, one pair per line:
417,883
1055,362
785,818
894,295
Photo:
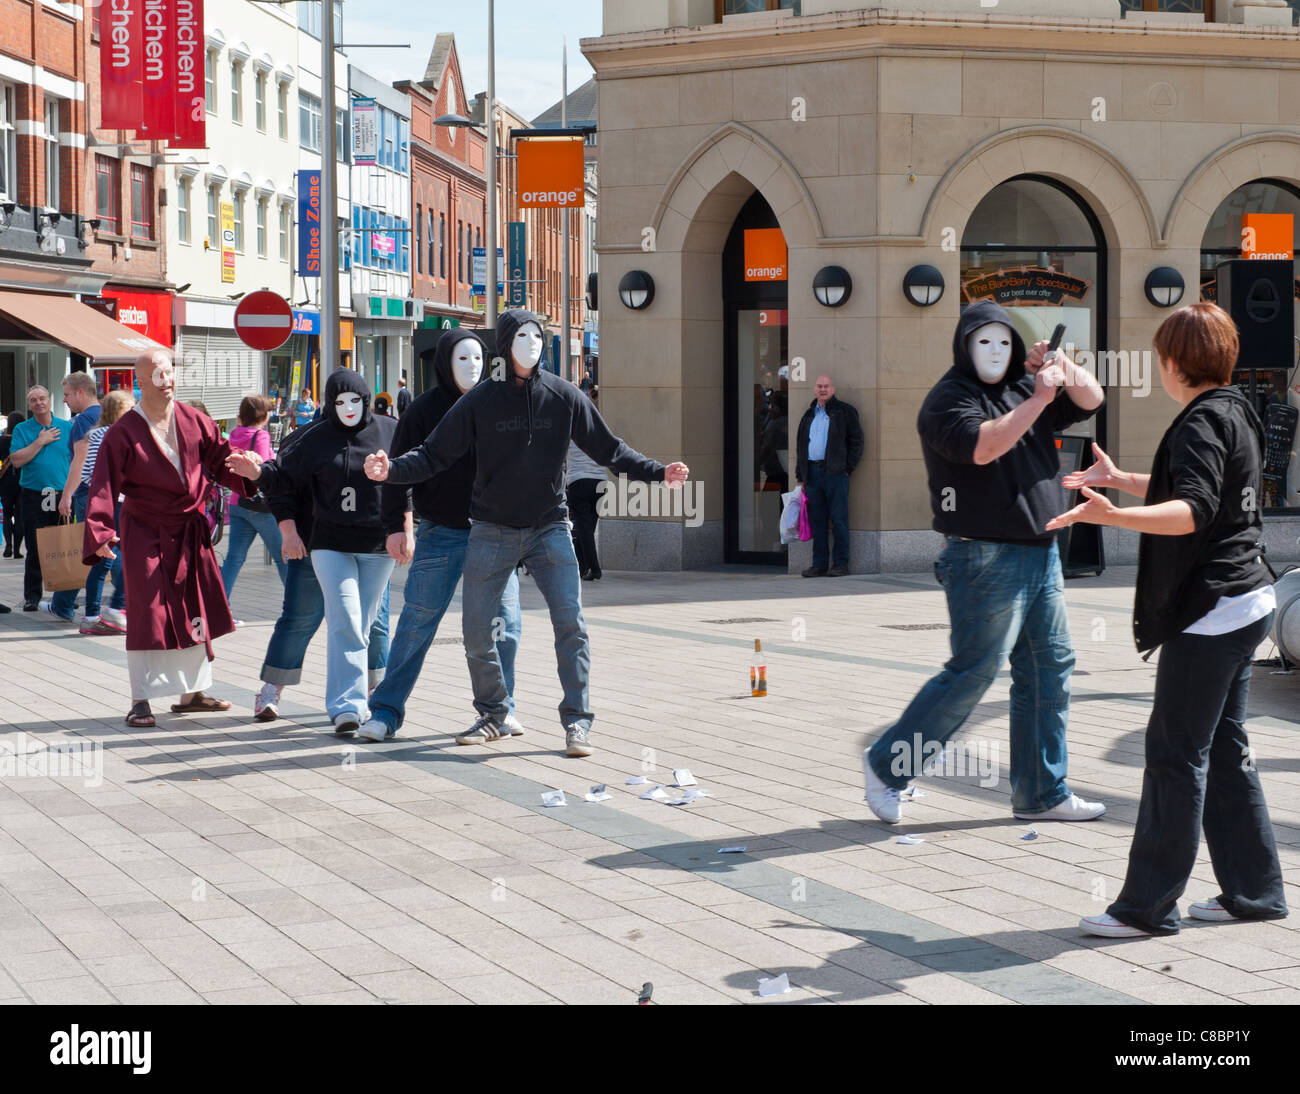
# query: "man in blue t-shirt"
43,464
83,400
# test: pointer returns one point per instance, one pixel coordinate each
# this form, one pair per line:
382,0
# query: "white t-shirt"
1232,613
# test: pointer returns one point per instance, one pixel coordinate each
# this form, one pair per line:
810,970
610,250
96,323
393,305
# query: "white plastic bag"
790,515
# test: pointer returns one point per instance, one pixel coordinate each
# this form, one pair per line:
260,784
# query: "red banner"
121,64
190,123
159,117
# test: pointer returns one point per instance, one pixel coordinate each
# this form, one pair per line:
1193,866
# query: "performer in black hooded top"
350,530
987,434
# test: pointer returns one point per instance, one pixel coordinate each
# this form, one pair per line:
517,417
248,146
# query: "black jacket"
1210,457
443,499
328,460
1011,499
520,432
844,439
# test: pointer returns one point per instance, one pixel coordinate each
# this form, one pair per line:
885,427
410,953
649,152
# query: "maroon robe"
175,598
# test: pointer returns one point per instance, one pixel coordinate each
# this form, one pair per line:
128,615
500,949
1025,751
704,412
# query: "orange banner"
550,173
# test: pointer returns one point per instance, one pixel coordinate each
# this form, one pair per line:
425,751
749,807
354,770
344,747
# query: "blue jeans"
1199,776
1003,599
491,556
355,585
828,502
245,526
103,568
300,618
435,571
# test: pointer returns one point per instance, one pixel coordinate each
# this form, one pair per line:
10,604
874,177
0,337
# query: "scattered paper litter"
636,780
778,985
909,840
551,798
656,793
597,794
734,850
690,796
911,793
1031,834
682,777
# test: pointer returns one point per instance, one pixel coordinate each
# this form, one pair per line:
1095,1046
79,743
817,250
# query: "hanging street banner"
365,133
517,248
189,116
1026,286
309,223
550,172
478,271
121,64
227,243
158,121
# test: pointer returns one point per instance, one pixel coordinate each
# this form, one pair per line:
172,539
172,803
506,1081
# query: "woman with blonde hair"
113,619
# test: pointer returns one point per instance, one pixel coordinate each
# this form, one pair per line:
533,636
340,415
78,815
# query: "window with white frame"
52,152
237,90
239,220
261,227
309,121
214,210
8,145
210,81
282,107
184,194
286,224
259,101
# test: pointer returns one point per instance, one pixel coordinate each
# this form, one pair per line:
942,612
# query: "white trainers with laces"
513,724
266,707
1211,911
1107,926
884,801
484,730
1074,808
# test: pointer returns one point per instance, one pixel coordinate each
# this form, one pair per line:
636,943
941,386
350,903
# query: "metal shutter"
218,370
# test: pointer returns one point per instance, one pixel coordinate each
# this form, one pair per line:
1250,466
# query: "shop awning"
82,329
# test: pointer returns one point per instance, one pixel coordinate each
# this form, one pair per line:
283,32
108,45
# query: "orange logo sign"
1267,235
550,173
766,254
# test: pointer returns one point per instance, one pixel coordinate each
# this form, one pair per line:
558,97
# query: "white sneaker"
513,724
884,801
266,707
114,617
374,729
238,623
1211,911
1074,808
1107,926
345,725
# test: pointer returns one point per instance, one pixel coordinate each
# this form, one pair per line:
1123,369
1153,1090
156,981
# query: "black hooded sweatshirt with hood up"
329,461
1011,499
443,499
519,431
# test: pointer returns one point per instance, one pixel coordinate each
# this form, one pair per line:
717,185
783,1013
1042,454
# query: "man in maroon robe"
163,456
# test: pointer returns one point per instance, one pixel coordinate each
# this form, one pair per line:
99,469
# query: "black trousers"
1200,773
582,511
40,510
13,520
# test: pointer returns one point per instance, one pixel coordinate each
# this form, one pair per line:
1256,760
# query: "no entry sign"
264,320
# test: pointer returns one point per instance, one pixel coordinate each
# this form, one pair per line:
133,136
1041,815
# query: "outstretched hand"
1101,474
247,465
377,464
1095,510
675,474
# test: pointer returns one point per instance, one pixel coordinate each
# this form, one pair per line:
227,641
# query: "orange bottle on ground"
758,670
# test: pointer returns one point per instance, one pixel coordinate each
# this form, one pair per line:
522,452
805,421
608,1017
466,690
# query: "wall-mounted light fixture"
832,286
923,285
636,290
1164,286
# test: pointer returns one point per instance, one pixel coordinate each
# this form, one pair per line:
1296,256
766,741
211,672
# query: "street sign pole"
490,119
564,261
329,206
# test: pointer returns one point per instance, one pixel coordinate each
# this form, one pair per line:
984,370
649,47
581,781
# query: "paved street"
225,861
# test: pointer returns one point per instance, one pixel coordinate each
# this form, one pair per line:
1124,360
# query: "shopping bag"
59,547
790,515
805,523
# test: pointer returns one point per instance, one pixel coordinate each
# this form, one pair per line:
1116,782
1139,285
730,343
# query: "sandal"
140,716
201,704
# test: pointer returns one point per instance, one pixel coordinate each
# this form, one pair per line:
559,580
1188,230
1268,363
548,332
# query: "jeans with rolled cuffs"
1004,600
435,571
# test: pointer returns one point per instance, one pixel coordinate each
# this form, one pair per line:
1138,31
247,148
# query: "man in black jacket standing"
519,425
830,447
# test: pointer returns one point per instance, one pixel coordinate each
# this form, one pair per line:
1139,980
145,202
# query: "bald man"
162,455
830,447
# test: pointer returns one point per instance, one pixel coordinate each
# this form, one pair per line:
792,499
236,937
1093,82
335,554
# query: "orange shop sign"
550,173
1268,235
766,254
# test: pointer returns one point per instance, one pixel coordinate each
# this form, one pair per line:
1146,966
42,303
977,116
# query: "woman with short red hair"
1203,594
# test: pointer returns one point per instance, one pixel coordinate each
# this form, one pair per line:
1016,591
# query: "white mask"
990,349
526,349
467,363
348,407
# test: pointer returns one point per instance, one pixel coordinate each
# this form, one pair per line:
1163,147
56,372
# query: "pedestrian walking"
582,480
40,452
830,445
10,491
250,517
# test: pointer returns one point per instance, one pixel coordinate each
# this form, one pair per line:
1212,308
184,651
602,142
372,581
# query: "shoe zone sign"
309,202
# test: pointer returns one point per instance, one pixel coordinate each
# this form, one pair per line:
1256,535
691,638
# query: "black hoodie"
329,460
1011,499
1210,457
443,499
519,431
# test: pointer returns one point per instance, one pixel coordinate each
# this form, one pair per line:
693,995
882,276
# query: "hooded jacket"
519,431
443,499
1011,499
329,462
1211,458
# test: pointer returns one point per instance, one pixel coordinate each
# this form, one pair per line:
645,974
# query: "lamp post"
329,238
